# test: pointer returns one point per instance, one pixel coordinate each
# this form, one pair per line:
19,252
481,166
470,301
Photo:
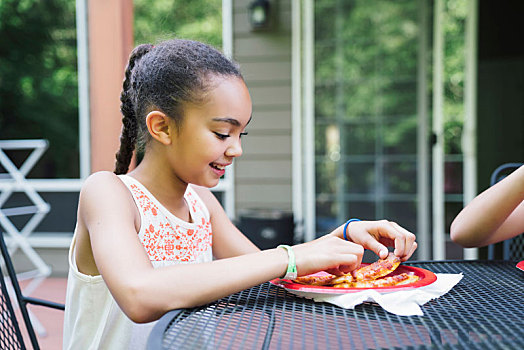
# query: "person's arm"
494,215
144,294
228,241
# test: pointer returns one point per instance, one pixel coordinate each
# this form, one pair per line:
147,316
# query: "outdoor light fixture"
258,13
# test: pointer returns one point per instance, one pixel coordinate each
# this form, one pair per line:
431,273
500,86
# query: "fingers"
328,253
335,271
405,244
344,269
348,258
413,248
391,233
400,246
337,256
374,245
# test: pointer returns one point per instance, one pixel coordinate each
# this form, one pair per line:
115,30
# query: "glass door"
369,117
391,114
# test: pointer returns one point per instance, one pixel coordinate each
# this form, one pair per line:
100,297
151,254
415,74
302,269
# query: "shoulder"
102,180
104,185
104,194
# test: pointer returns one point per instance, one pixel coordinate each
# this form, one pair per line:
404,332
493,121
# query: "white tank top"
93,319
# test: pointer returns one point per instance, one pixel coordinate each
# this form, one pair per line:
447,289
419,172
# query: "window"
39,100
376,92
366,64
38,82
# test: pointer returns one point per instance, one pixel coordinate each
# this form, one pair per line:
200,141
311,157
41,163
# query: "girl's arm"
108,213
228,241
494,215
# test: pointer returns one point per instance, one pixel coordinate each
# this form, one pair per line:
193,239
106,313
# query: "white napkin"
403,303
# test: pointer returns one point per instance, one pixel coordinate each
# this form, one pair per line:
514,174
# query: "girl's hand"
378,235
327,253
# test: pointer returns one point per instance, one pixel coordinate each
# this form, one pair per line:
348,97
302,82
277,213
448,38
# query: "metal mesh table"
484,311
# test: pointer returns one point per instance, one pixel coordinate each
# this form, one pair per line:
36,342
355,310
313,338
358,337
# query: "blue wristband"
346,226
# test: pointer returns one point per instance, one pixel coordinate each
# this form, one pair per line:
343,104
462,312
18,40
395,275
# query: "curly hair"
164,77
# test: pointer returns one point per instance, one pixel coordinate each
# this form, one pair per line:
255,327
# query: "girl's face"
210,135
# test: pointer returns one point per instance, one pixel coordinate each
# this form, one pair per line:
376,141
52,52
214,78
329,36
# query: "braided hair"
164,77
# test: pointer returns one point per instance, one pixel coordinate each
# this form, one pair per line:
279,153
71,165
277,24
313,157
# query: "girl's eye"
243,134
221,136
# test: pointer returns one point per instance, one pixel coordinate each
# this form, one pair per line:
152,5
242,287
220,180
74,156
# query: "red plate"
426,277
520,265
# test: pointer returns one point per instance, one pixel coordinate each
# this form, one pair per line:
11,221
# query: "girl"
156,238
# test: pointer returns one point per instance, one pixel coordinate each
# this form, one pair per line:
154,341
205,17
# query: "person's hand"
328,253
378,235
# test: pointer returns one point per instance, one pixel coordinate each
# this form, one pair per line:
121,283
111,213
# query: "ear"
160,127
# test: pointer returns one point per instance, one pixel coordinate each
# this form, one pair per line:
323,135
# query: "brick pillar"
110,25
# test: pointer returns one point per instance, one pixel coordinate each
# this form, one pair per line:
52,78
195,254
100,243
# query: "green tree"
164,19
38,80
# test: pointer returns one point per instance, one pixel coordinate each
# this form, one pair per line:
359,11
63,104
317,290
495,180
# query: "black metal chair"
10,334
513,248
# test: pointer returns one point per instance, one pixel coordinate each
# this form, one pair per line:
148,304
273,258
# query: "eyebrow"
231,121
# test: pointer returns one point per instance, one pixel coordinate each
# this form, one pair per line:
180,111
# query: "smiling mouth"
218,166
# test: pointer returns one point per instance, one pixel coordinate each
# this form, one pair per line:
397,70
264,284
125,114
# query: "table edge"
155,338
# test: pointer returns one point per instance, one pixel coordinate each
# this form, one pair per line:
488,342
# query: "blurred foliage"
366,57
38,80
166,19
366,66
454,68
38,67
159,20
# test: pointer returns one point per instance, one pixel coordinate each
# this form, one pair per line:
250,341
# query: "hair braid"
129,133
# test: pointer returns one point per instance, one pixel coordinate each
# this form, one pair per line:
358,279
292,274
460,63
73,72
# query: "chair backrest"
21,300
513,248
10,335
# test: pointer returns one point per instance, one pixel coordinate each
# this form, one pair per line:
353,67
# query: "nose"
234,149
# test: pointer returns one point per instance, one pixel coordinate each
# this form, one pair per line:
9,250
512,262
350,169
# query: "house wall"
263,174
110,25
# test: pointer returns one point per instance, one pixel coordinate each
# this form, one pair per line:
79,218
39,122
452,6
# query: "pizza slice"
412,278
379,268
325,280
369,276
388,281
347,278
315,280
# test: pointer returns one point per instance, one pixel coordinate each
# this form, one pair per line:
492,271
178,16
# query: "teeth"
219,166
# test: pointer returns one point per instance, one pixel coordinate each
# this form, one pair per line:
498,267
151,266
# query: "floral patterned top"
166,237
92,318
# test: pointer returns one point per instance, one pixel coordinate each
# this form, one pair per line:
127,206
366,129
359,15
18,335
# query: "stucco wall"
110,43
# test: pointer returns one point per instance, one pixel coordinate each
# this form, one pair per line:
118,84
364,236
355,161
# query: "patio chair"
513,248
10,334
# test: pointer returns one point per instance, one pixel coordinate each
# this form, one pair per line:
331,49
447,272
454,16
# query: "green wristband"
291,272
